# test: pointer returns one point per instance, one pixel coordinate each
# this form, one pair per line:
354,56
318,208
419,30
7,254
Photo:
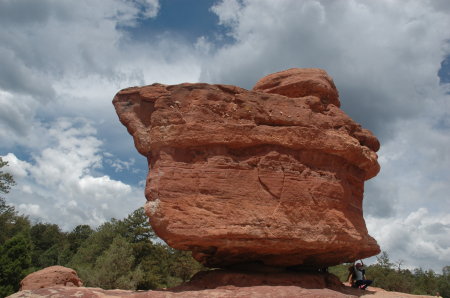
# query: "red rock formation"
219,278
49,277
238,176
297,82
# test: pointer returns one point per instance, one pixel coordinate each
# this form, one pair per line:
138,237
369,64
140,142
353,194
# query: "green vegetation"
126,254
121,254
118,254
390,276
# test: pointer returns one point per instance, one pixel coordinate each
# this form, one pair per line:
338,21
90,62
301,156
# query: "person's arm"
364,270
350,278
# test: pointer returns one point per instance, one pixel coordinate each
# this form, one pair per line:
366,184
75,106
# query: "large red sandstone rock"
49,277
238,175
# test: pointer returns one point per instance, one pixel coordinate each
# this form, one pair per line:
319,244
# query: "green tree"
78,235
6,179
154,261
48,241
114,268
183,265
10,222
383,260
84,259
15,261
444,282
99,241
426,282
138,228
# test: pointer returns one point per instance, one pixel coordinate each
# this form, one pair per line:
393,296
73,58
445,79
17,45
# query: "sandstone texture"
273,175
49,277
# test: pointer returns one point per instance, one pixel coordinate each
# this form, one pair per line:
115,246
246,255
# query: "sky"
61,63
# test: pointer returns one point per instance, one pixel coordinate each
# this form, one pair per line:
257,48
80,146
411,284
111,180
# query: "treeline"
392,277
118,254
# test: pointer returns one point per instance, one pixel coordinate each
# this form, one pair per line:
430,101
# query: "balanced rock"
49,277
274,175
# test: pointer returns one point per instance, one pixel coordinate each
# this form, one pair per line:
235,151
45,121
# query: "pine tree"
6,179
114,268
15,261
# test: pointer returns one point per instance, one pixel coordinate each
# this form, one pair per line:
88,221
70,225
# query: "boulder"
300,82
49,277
273,175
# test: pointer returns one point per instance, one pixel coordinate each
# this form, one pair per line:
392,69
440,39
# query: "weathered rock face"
49,277
274,175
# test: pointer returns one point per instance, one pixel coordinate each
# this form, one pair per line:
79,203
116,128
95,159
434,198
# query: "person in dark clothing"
359,277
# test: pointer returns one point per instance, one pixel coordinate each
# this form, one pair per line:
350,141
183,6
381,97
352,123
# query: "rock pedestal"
273,175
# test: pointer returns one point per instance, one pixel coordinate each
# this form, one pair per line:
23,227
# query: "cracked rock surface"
273,175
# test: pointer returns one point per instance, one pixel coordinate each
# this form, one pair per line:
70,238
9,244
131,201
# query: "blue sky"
187,20
61,62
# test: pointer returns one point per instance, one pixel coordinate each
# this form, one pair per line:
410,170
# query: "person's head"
358,265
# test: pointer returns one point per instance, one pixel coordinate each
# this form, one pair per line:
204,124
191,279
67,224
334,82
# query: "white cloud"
16,167
70,58
15,114
419,238
414,171
30,209
227,11
62,183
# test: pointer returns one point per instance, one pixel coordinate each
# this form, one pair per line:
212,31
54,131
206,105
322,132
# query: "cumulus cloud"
62,185
420,238
16,167
62,59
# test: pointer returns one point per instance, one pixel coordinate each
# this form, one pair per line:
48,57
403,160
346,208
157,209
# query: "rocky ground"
225,291
58,282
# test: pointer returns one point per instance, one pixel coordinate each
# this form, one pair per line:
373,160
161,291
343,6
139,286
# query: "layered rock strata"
273,175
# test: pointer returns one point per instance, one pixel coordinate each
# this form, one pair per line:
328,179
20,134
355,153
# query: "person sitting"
357,278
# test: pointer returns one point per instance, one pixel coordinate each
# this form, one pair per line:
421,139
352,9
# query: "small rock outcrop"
49,277
273,175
